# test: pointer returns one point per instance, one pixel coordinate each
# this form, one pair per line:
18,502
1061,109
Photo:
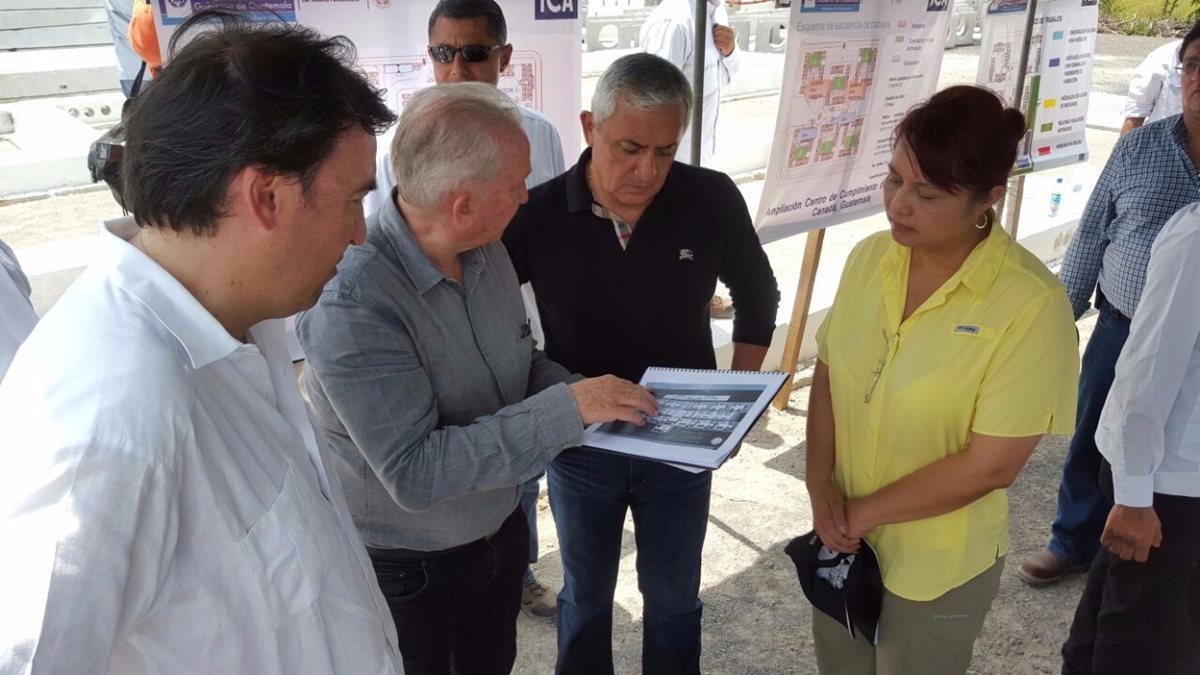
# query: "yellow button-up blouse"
993,351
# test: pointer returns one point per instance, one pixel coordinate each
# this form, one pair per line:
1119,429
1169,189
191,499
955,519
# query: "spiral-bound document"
703,415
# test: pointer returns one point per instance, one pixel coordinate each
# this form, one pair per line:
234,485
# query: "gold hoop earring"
985,221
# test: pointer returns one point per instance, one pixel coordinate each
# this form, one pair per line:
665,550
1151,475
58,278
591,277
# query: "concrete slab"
42,73
47,150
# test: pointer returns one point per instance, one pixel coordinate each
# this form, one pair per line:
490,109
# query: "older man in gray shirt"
425,379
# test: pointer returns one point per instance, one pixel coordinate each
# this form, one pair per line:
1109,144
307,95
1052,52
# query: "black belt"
1102,302
406,554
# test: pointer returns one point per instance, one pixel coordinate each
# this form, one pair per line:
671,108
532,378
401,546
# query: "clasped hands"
841,523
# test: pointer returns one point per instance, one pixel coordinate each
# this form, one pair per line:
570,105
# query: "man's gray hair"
448,137
642,81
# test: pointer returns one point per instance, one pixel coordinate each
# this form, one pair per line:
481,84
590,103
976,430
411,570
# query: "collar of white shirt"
202,337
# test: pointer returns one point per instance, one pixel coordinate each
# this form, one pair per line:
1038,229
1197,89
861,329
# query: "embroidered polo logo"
686,254
967,329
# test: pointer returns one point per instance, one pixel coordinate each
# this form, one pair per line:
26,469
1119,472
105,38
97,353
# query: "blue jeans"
529,495
1082,507
589,494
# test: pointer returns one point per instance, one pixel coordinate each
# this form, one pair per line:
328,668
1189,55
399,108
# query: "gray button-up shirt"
432,395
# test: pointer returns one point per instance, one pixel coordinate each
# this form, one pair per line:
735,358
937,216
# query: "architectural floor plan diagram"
835,83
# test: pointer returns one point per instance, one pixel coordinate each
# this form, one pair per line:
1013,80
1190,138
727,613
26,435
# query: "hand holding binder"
702,418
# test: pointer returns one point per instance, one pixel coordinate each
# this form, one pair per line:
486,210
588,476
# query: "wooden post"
799,322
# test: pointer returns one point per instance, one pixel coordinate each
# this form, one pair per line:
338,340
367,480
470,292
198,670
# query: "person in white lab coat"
670,32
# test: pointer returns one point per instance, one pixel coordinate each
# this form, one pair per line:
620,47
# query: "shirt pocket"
275,563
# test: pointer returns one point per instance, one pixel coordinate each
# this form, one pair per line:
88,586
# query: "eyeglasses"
878,372
470,53
1188,67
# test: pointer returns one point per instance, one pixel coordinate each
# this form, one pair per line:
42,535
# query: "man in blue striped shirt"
1150,175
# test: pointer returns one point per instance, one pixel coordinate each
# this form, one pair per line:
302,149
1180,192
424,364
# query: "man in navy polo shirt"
624,251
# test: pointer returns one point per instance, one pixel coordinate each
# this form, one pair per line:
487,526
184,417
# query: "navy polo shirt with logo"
607,309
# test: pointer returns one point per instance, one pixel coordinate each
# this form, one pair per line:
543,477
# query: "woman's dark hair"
1188,39
237,94
963,139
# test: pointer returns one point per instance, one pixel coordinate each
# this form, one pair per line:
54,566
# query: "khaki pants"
915,638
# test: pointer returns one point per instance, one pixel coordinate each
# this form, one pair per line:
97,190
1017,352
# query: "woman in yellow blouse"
949,351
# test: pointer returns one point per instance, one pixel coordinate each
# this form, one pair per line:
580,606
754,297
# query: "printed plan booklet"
703,415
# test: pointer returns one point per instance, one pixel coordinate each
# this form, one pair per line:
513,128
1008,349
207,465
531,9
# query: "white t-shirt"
164,506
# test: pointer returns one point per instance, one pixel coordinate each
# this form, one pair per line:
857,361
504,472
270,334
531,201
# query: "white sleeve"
1147,81
18,317
1150,371
88,533
732,63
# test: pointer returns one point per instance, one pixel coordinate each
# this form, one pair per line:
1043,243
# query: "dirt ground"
757,621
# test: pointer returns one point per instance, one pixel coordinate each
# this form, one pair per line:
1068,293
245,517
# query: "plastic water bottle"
1056,197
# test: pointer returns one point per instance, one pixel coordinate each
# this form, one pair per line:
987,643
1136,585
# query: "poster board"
853,69
391,40
1058,76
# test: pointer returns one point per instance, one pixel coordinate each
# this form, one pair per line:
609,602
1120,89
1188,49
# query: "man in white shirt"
670,32
468,42
15,308
1156,90
164,504
1140,612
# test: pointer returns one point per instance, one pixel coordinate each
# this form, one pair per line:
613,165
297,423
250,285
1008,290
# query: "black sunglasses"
470,53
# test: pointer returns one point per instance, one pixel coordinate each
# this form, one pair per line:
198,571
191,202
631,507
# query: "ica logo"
555,9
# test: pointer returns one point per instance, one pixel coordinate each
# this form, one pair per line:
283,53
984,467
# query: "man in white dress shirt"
16,312
164,505
670,32
1156,90
468,42
1140,612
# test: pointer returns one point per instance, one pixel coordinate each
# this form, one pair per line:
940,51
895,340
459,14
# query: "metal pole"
1025,47
699,51
1014,221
